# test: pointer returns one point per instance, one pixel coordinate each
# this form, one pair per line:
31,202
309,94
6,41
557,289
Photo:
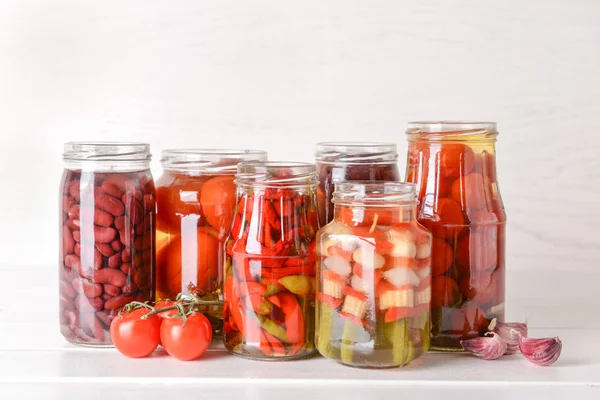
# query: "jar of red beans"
195,205
454,167
351,161
374,277
270,262
107,216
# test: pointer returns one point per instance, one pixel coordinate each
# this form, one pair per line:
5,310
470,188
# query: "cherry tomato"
218,201
479,249
456,160
190,259
447,220
444,292
472,284
133,336
186,342
441,256
471,192
176,201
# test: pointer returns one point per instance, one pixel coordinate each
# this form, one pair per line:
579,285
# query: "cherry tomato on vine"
135,337
186,342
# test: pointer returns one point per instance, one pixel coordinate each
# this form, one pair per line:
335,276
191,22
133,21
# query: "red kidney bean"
142,242
105,249
114,261
73,261
125,268
133,207
88,304
77,249
120,222
112,290
130,287
101,217
126,255
116,245
108,203
105,317
86,287
94,325
66,303
104,234
137,260
67,202
74,211
139,229
112,189
77,236
67,289
73,224
68,241
108,275
74,190
119,301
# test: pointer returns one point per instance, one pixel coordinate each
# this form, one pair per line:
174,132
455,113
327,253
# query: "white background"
283,75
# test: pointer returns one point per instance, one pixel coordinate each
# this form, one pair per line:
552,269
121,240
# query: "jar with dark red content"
454,167
106,256
351,161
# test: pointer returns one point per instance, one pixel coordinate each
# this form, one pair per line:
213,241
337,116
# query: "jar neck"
358,213
107,156
356,153
452,132
208,161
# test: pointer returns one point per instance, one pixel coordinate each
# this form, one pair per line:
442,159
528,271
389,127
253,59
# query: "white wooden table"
35,362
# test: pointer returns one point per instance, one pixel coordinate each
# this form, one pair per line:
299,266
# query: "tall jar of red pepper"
374,277
351,161
195,203
270,262
454,167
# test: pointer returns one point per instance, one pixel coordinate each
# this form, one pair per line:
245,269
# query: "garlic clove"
368,258
338,264
509,332
423,251
489,347
401,277
542,352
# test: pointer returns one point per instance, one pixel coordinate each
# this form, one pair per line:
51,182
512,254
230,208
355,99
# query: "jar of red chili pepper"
454,167
195,203
270,266
107,216
351,161
374,283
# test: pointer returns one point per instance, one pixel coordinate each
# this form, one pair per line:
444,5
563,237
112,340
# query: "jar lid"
208,160
356,153
276,174
106,151
375,193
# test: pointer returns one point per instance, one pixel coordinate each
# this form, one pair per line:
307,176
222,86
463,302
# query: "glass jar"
454,167
270,266
195,198
107,216
351,161
374,283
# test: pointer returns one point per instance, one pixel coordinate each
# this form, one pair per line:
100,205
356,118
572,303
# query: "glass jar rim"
276,174
356,152
106,151
452,127
381,194
208,160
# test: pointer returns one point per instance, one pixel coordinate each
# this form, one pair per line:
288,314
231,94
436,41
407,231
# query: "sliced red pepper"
338,251
276,345
270,216
268,242
354,319
383,287
259,305
396,313
294,319
250,287
349,291
383,246
237,225
234,304
278,273
294,261
331,301
329,275
275,300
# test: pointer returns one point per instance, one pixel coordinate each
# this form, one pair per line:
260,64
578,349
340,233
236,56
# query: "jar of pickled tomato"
107,216
195,204
454,167
351,161
270,268
374,283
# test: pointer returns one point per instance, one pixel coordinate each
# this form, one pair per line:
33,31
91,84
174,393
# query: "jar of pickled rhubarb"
107,217
454,167
374,283
351,161
195,203
270,268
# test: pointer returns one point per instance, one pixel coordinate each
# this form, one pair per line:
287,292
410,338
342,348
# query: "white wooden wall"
283,75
